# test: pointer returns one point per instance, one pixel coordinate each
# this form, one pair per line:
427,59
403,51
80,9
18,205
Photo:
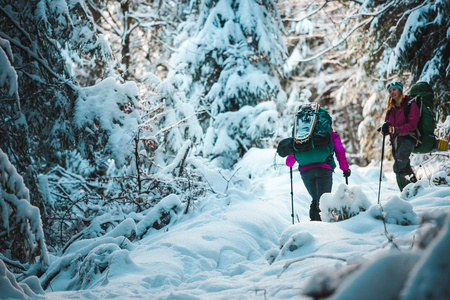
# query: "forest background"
102,102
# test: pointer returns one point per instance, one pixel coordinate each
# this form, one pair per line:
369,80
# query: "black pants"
317,181
402,166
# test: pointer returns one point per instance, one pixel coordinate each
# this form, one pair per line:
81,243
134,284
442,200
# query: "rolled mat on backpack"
441,145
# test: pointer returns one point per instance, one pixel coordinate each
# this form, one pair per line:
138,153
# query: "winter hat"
396,84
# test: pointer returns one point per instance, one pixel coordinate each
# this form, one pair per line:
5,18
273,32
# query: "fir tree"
233,61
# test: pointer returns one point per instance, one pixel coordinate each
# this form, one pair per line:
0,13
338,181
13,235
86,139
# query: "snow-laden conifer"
21,226
231,62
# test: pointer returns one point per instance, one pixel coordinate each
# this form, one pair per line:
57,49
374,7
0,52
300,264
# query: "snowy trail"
221,249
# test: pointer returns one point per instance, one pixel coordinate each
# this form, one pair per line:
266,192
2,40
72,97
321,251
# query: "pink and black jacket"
403,124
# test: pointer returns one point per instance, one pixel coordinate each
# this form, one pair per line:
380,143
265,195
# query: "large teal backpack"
311,136
422,94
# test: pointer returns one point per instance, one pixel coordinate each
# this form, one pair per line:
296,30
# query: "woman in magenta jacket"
318,177
400,129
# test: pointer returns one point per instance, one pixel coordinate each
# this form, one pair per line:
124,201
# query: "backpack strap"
416,133
408,108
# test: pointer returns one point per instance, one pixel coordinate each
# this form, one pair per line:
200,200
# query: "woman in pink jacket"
400,128
318,177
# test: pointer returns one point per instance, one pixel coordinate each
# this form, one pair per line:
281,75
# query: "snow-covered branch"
18,26
99,11
177,124
355,28
35,56
8,75
375,13
308,15
287,265
15,209
181,156
372,15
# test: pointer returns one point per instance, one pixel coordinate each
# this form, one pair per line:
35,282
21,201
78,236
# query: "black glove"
347,173
385,128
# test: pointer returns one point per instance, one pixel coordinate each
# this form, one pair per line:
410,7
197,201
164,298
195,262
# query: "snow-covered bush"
395,211
105,225
297,241
89,262
293,244
106,117
431,176
412,189
100,259
441,178
21,225
159,216
29,288
271,255
346,202
89,207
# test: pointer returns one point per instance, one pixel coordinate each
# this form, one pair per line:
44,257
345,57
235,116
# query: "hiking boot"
314,211
403,179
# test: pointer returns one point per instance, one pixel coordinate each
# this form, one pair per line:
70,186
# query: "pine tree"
21,232
232,62
42,115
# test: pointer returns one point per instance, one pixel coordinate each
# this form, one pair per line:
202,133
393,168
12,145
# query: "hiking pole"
381,168
292,197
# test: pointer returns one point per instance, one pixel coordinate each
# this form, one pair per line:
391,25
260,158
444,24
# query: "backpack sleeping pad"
422,94
311,136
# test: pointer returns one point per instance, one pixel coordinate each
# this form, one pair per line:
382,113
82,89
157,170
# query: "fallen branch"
12,263
287,265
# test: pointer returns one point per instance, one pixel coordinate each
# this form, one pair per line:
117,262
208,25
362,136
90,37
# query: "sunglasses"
395,84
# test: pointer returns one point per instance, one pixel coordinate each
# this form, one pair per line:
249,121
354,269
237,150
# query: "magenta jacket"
396,116
338,150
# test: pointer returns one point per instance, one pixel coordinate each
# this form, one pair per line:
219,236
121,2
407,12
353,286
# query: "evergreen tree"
42,114
21,226
36,122
233,61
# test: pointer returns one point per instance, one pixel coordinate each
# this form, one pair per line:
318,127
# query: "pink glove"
290,160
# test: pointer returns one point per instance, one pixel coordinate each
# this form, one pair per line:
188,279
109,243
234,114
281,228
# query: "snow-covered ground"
241,244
